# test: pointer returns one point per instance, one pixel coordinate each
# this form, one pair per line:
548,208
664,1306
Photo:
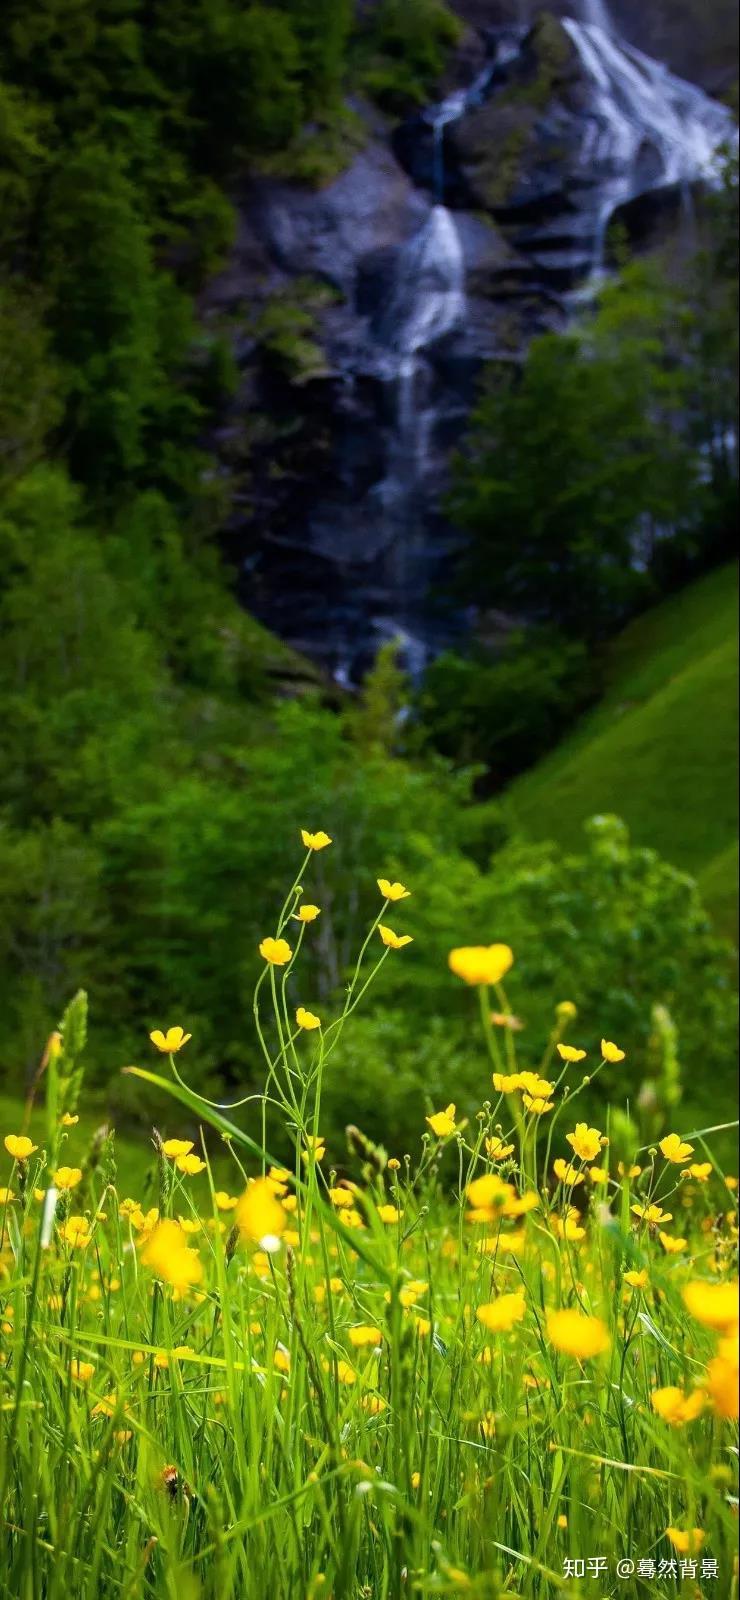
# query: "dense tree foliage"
152,784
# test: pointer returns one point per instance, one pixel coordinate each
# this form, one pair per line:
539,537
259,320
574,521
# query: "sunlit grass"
459,1371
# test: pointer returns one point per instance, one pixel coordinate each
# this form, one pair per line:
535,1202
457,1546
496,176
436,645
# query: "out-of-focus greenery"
663,739
153,778
609,463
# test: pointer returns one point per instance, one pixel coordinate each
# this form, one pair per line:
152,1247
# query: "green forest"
161,750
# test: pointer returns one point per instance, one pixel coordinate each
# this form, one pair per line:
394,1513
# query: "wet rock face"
363,314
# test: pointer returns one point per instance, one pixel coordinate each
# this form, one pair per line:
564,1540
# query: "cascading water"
646,129
442,262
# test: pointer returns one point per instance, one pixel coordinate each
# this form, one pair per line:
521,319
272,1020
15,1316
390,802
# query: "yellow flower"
173,1148
68,1121
389,1214
569,1175
315,841
714,1304
393,891
537,1104
18,1146
672,1247
316,1146
637,1280
364,1335
675,1150
442,1123
489,1190
630,1172
576,1334
481,963
276,951
503,1313
675,1407
521,1204
652,1214
507,1083
307,1019
224,1201
373,1403
169,1256
611,1052
82,1370
568,1052
562,1520
496,1150
260,1215
66,1177
686,1542
722,1384
346,1373
307,913
504,1019
568,1227
341,1198
190,1165
171,1041
393,941
585,1141
76,1232
598,1175
701,1170
534,1084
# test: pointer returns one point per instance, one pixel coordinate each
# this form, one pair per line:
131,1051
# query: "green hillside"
661,747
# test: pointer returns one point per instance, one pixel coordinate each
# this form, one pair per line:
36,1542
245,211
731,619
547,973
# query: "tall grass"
356,1380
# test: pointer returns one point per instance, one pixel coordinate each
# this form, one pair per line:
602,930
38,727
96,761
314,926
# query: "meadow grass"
665,730
502,1366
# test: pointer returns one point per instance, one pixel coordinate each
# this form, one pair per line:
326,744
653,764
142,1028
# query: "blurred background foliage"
160,750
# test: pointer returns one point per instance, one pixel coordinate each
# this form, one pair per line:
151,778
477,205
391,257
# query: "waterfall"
596,15
646,128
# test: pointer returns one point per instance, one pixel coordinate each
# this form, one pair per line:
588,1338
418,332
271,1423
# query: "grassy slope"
661,747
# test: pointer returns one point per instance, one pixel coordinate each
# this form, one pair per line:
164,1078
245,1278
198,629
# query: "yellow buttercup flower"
598,1175
501,1314
585,1141
393,891
190,1165
171,1041
637,1280
76,1232
169,1256
675,1407
442,1123
18,1146
507,1082
315,841
504,1019
176,1147
577,1334
260,1215
568,1052
364,1335
389,1213
82,1370
66,1177
686,1542
537,1104
307,1019
653,1214
488,1191
674,1149
68,1121
307,913
566,1173
476,964
224,1201
276,951
672,1247
611,1052
714,1304
393,941
723,1386
497,1150
701,1171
